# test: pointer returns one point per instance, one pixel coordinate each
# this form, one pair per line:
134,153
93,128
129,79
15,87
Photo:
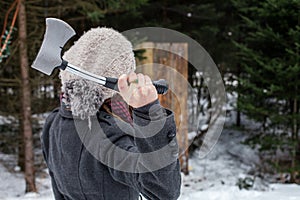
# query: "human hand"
140,90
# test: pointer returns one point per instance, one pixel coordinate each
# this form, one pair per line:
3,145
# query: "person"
104,144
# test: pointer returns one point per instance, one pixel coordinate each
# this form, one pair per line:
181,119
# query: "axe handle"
112,83
160,85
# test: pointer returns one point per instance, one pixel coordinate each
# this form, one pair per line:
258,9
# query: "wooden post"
175,56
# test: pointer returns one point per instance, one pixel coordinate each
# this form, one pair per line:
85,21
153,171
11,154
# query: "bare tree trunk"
238,112
295,137
26,101
21,160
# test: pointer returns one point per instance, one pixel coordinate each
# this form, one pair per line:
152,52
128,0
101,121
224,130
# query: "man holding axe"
100,143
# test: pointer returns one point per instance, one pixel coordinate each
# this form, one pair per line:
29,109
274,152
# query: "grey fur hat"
102,51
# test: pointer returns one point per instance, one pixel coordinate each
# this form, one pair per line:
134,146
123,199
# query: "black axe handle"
161,85
112,83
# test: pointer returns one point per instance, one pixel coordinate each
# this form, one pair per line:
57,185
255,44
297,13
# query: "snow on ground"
214,177
211,178
278,192
12,186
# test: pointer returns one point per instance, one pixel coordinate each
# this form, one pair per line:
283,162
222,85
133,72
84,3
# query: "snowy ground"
216,176
212,178
278,192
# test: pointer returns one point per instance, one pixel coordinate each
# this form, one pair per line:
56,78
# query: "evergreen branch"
5,19
10,30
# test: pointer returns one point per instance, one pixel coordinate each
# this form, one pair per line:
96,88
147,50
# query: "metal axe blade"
56,36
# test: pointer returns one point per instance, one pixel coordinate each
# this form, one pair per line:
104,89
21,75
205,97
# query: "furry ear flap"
84,98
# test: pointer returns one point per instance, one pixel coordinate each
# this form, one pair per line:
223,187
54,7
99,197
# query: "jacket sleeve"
45,148
157,177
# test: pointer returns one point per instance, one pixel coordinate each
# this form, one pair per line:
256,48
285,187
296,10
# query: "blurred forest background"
254,43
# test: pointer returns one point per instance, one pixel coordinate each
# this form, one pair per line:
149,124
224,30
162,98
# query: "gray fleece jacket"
77,174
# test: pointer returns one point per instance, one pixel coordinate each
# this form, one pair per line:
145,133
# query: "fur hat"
102,51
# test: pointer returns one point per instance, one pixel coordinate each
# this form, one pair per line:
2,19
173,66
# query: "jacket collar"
65,112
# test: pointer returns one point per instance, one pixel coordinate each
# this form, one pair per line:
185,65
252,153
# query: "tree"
26,100
269,83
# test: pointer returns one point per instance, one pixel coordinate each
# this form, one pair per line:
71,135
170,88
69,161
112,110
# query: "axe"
49,57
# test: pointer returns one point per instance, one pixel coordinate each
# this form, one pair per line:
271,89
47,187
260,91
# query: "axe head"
56,36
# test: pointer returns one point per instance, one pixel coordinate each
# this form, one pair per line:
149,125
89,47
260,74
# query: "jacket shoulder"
49,121
45,133
52,115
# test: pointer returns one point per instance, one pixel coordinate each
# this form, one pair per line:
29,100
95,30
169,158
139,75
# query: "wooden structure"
170,61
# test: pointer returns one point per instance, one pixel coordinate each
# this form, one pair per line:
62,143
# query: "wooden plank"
181,65
145,66
162,63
